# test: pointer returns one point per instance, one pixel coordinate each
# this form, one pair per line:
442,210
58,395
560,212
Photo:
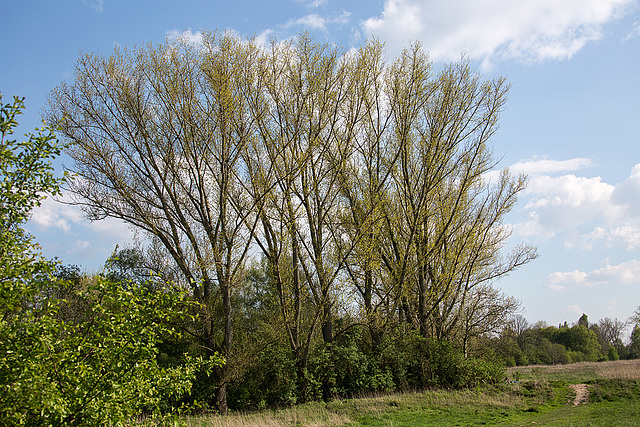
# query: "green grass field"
532,396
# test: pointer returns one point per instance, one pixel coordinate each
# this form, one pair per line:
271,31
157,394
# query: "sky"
572,121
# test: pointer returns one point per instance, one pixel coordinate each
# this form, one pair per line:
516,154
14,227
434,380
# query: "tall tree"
157,138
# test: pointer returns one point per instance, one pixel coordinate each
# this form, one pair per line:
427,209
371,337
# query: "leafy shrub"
356,370
271,381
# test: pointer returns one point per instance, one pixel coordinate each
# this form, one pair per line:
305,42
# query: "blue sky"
572,121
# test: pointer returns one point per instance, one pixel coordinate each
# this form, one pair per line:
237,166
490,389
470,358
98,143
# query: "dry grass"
583,371
311,415
341,412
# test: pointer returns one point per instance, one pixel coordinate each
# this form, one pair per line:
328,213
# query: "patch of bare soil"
582,393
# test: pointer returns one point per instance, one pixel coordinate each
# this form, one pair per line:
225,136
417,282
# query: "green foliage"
26,176
271,381
550,345
355,370
416,363
634,345
72,353
26,172
613,354
100,370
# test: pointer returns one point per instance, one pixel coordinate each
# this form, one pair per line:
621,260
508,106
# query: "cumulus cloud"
559,280
625,273
588,210
55,215
188,35
564,202
627,193
626,236
495,29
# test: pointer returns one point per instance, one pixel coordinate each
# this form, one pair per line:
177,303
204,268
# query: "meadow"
530,395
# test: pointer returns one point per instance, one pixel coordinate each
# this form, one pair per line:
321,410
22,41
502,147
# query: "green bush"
613,354
416,363
271,381
356,370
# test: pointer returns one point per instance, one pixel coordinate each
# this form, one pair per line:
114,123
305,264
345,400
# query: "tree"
442,220
634,345
518,324
584,320
635,317
611,331
91,368
142,125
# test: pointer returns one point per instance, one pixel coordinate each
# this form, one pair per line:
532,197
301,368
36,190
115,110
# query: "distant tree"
611,331
634,345
128,265
518,324
635,317
584,320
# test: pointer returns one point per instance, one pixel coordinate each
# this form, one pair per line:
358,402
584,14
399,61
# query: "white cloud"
568,201
98,5
316,22
572,310
625,273
263,38
587,210
312,4
626,236
627,193
52,215
495,29
187,35
537,166
79,246
635,32
312,21
559,279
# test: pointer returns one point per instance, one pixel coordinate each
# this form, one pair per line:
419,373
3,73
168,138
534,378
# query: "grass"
579,372
542,396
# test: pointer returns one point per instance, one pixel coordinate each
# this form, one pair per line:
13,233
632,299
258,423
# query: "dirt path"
582,393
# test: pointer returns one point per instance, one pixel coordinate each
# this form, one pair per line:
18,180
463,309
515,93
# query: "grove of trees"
312,222
309,198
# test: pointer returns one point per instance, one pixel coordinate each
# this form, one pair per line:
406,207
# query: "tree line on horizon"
520,343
